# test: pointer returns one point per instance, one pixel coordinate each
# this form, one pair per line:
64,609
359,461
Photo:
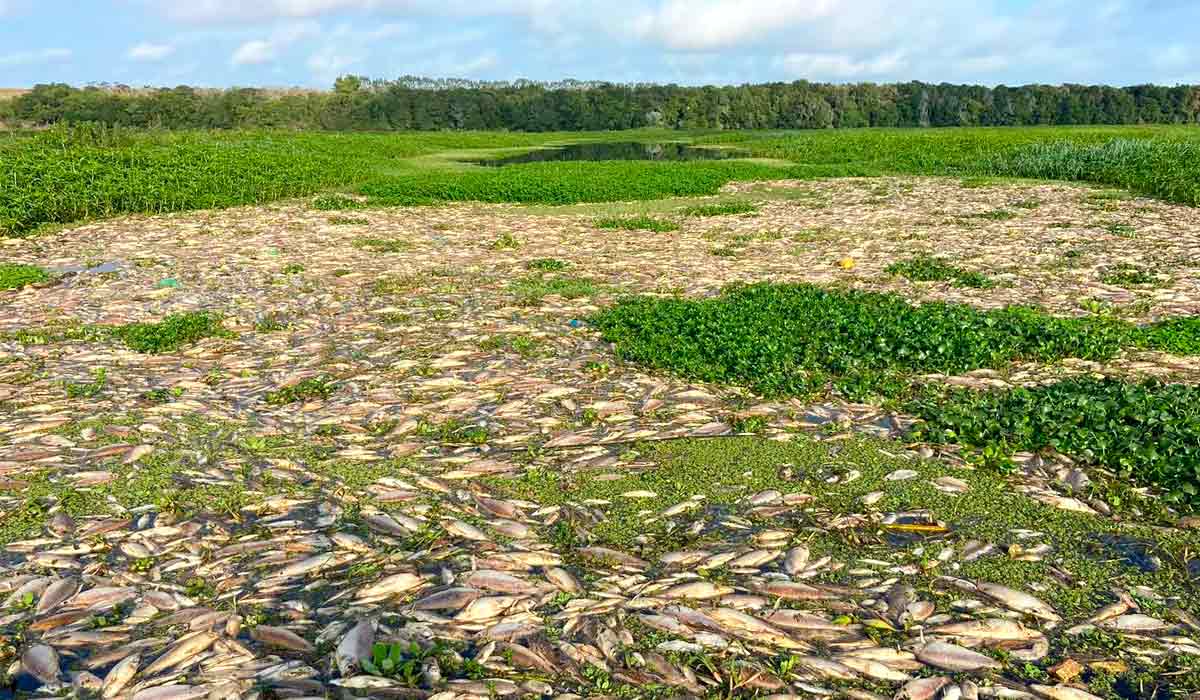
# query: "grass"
16,276
172,333
532,289
722,209
168,335
59,177
637,223
381,245
1126,275
313,388
926,268
546,265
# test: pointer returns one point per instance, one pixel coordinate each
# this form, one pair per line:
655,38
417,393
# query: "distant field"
9,93
69,175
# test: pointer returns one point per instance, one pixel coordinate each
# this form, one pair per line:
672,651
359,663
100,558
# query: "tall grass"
79,173
1165,169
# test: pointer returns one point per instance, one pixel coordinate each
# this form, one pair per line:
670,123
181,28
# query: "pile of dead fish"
294,595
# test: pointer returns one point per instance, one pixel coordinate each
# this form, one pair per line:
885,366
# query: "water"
615,151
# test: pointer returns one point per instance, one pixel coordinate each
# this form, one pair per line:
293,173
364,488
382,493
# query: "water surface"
632,150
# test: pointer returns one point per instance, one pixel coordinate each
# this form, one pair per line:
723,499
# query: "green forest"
358,103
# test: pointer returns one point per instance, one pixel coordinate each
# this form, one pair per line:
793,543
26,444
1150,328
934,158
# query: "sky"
308,43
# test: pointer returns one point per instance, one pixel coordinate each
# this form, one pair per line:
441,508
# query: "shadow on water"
615,151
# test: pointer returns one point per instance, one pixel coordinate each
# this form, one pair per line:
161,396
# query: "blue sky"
310,42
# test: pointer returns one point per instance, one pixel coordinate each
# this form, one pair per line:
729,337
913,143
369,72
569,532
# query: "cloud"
703,25
252,53
840,66
329,63
149,52
32,58
259,51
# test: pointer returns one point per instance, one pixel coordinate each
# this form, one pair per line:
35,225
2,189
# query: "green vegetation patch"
1126,275
381,245
532,289
313,388
15,276
722,209
926,268
637,223
1149,431
793,339
172,333
546,265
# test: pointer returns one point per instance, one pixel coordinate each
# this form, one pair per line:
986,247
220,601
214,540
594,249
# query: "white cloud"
329,63
32,58
252,53
840,66
149,52
702,25
259,51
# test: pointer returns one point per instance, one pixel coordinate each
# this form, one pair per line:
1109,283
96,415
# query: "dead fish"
796,560
382,522
449,599
563,580
952,657
101,598
1021,602
498,508
991,629
61,524
1108,612
55,594
921,610
923,688
899,597
468,531
486,608
1062,692
497,581
305,566
754,559
604,555
172,692
827,668
120,675
792,590
873,669
186,648
41,662
390,586
1136,623
354,647
697,590
281,638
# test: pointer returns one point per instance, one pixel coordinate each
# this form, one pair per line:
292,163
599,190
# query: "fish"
55,594
281,638
951,657
41,662
185,648
1021,602
120,675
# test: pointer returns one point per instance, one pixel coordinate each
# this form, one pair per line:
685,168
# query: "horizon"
306,44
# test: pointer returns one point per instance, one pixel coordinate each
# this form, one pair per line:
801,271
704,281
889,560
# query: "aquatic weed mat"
356,459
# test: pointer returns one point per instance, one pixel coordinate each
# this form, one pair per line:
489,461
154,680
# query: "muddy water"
616,151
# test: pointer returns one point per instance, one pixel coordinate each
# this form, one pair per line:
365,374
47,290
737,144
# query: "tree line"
357,103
